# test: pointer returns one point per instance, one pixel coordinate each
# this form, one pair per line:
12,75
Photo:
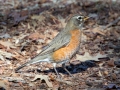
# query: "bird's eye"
79,18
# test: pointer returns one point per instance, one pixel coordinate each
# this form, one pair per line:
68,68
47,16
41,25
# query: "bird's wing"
61,40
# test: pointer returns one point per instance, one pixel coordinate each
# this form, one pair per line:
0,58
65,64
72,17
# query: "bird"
63,46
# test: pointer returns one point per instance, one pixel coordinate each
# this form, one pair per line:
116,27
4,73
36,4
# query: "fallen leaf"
34,36
87,56
89,34
40,18
2,84
105,72
44,77
2,69
2,47
113,75
1,57
7,44
5,54
111,63
116,34
100,73
98,30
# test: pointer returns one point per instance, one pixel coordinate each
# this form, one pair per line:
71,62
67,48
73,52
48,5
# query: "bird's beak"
86,18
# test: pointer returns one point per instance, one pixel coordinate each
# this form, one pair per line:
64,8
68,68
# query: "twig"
112,23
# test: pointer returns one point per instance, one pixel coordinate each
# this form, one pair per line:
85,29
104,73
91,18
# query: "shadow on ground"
79,67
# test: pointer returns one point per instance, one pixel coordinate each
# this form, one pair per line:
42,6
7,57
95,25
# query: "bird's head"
76,21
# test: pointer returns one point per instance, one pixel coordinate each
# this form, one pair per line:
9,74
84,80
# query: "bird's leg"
54,65
64,67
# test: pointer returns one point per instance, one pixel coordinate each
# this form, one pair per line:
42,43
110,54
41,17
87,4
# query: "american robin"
63,46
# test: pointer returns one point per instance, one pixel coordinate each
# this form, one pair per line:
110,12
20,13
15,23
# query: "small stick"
112,23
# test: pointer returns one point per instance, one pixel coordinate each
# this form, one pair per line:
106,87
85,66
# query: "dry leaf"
89,34
87,56
111,63
1,57
99,73
113,75
2,84
105,72
40,18
28,26
98,30
7,44
2,47
44,77
116,34
34,36
21,36
5,54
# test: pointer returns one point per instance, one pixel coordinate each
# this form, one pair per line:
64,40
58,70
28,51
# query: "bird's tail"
38,58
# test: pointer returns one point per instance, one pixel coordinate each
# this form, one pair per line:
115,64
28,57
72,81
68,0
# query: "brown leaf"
116,34
40,18
5,54
89,34
98,30
100,73
113,75
7,44
34,36
44,77
105,72
87,56
2,47
111,63
3,85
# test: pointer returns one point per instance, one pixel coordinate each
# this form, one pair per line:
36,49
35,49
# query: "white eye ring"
80,18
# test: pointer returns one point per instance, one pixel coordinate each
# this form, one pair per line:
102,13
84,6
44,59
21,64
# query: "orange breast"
67,51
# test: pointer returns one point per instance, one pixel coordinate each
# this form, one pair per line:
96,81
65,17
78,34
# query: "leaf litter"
32,25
